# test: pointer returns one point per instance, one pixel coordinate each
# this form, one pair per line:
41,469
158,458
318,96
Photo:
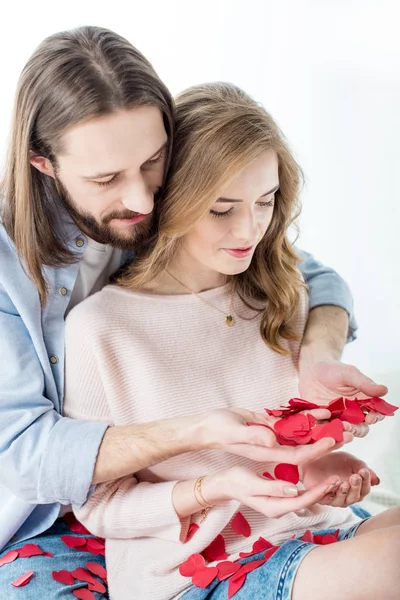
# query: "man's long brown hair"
71,77
219,130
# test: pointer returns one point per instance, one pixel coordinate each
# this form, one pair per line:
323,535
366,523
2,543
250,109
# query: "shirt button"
79,242
63,291
53,359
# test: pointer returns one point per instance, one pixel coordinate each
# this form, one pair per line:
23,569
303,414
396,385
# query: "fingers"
373,417
354,490
281,506
360,430
365,483
358,380
258,435
321,414
297,455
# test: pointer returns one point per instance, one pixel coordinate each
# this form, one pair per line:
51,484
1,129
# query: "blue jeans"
42,585
274,579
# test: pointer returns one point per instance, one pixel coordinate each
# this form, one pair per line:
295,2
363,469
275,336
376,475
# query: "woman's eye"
269,203
218,215
108,182
154,161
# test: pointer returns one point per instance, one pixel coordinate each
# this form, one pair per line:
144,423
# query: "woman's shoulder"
94,308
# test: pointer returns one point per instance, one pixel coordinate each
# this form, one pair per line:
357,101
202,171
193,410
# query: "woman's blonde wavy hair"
219,131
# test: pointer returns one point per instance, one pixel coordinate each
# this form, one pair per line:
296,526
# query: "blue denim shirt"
46,459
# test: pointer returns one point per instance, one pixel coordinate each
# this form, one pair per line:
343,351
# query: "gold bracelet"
199,496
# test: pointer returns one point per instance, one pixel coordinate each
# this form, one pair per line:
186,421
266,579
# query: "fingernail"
354,481
290,490
378,481
364,473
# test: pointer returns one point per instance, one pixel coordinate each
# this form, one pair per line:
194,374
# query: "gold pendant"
229,320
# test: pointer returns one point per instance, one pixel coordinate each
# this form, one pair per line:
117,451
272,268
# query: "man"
78,195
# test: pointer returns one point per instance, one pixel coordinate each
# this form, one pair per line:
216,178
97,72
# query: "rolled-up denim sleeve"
327,287
44,457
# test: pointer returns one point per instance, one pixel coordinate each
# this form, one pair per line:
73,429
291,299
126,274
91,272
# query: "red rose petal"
250,566
273,413
336,406
49,554
259,546
215,550
87,548
270,552
381,406
29,550
308,537
303,404
83,575
294,425
73,542
204,577
240,525
84,594
193,527
312,421
74,524
9,557
328,538
64,577
23,580
285,441
97,569
287,472
194,563
352,413
268,476
334,429
95,545
227,568
97,587
235,585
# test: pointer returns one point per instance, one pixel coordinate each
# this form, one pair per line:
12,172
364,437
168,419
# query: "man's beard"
101,232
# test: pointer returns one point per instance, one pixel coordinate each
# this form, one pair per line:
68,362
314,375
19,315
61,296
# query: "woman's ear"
41,163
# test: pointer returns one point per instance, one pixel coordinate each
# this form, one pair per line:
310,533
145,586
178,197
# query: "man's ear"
41,163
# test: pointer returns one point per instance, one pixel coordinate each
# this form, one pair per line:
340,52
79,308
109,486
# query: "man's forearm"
325,335
126,450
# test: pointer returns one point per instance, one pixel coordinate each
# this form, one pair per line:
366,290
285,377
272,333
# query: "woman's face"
225,239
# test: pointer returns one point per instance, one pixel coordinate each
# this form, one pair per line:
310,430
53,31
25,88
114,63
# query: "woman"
215,310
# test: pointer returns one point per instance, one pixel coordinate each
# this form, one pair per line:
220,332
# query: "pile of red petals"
295,428
202,575
90,544
24,552
85,575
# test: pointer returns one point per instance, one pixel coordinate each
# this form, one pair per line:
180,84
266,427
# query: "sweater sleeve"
124,508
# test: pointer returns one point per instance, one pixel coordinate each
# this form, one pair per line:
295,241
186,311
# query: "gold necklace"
229,319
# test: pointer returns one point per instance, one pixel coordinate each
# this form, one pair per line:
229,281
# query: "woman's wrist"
214,489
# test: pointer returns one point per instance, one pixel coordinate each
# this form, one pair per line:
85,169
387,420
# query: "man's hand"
227,430
357,478
323,381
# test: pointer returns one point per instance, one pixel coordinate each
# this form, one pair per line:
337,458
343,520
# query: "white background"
329,72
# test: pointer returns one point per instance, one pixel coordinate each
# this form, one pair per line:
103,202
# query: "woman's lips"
239,252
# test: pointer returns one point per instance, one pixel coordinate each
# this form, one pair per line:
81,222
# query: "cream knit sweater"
133,357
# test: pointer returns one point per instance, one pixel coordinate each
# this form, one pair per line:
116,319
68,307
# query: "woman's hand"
271,498
357,478
227,429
